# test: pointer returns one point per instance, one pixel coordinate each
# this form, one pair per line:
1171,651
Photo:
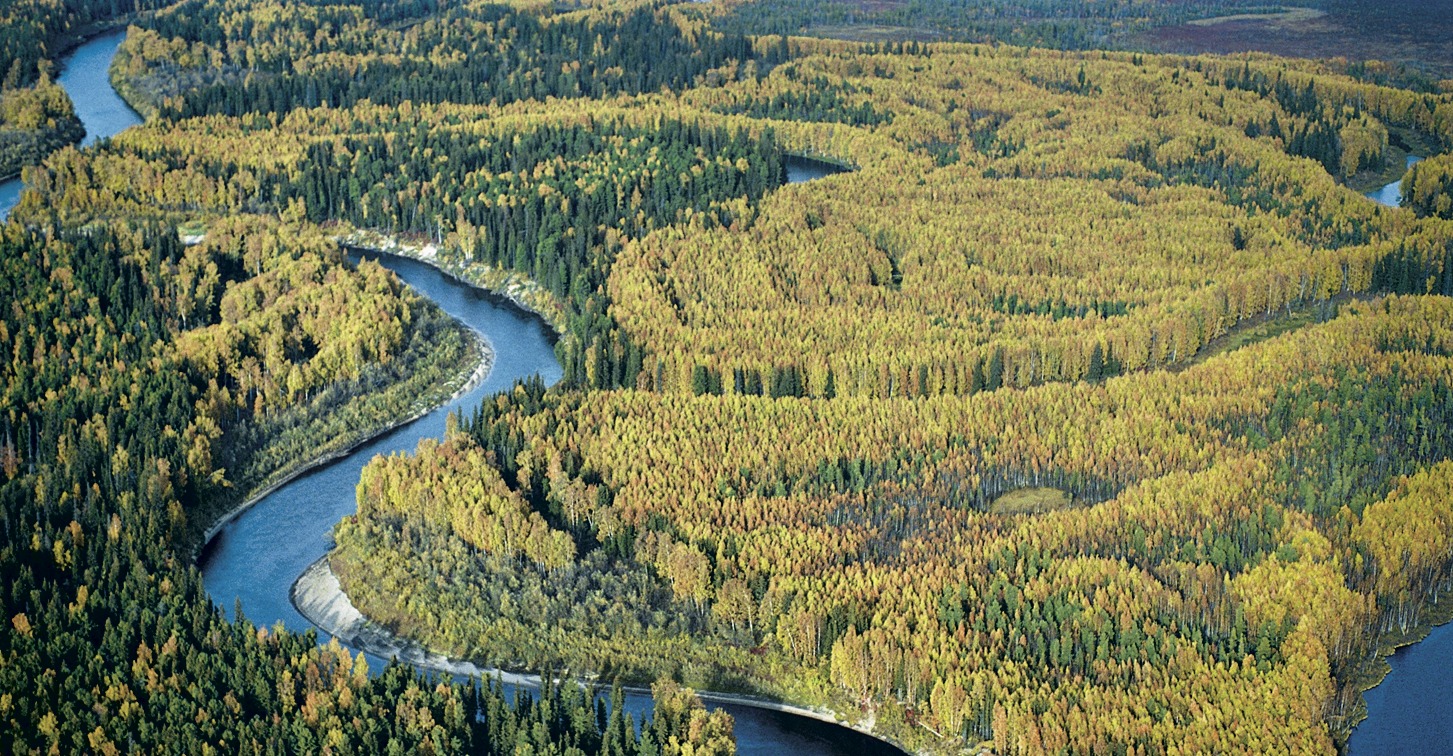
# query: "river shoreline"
1375,669
244,573
63,58
324,603
319,597
481,370
516,289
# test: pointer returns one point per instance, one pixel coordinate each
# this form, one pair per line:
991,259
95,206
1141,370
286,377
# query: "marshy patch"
1033,500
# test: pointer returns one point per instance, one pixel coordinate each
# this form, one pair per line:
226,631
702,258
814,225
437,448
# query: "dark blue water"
256,558
104,114
1391,194
800,169
1411,712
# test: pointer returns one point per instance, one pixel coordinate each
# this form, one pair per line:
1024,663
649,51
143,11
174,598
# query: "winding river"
85,77
254,559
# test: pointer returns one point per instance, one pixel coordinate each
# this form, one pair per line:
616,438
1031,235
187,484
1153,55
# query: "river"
1411,711
254,559
85,77
1391,194
257,556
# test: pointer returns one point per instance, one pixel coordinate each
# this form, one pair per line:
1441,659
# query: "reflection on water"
800,169
85,77
256,558
1412,710
1391,194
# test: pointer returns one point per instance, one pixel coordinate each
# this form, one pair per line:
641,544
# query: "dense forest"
839,550
36,116
151,385
788,411
148,386
1428,188
33,33
35,122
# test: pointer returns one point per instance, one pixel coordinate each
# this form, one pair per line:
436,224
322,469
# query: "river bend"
254,559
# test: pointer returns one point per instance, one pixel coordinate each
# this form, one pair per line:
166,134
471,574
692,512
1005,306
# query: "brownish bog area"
1417,33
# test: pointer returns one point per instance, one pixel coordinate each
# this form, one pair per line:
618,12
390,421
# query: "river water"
256,558
1411,711
85,77
253,561
1391,194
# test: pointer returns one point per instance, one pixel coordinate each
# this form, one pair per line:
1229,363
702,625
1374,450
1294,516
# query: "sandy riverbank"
319,597
517,289
321,600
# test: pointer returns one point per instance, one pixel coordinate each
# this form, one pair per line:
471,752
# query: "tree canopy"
787,408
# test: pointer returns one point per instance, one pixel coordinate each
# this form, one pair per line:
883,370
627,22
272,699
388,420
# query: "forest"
36,116
788,410
35,122
149,386
842,549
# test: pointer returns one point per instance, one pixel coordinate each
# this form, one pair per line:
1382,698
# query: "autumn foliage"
788,408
